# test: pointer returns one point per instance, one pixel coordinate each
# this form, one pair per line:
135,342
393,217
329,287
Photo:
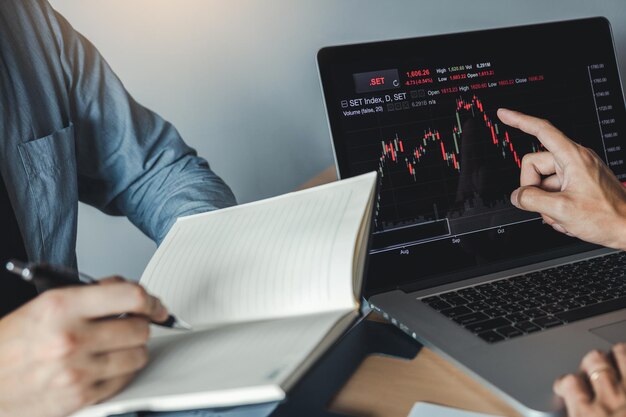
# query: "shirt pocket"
50,165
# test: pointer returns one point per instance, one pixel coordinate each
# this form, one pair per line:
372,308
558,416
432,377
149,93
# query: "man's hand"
572,189
63,350
599,390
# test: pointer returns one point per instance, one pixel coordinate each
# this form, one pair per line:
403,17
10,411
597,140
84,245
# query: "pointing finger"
552,138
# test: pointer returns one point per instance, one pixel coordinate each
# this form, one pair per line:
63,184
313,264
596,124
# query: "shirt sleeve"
129,160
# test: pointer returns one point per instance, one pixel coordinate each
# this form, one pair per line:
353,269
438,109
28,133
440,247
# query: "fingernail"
559,228
162,309
514,198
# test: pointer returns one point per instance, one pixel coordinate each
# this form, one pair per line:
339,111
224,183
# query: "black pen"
53,276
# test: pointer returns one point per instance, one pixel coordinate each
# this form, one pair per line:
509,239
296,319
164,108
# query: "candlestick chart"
460,168
401,151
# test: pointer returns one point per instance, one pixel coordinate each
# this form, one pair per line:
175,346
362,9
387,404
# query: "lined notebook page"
243,363
283,256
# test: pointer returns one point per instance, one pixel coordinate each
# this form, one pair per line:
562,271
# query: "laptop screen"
422,112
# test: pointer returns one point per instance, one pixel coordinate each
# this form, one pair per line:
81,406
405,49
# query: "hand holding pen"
66,346
52,276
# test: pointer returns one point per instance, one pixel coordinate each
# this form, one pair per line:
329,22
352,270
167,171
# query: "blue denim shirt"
70,131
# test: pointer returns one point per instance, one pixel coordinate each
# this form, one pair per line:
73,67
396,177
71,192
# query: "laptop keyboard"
529,303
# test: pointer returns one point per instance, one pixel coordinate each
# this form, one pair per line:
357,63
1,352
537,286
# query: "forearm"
150,175
130,161
183,188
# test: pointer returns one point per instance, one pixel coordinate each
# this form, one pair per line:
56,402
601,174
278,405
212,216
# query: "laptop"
452,263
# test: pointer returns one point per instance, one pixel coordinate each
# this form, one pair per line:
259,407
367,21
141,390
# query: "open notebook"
268,286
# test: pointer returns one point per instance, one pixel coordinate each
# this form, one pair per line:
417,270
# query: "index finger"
552,138
115,298
575,394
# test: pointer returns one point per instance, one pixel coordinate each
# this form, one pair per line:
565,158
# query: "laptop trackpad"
613,333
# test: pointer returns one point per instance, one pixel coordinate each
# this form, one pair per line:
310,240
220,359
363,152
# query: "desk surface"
428,378
388,387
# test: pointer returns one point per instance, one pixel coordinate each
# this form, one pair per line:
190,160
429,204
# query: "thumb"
531,198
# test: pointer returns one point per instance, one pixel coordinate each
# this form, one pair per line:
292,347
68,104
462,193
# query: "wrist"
622,236
620,228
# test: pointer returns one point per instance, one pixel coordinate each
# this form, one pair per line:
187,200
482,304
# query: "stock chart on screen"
423,113
447,164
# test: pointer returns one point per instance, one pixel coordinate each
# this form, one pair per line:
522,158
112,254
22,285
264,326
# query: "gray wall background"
238,79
